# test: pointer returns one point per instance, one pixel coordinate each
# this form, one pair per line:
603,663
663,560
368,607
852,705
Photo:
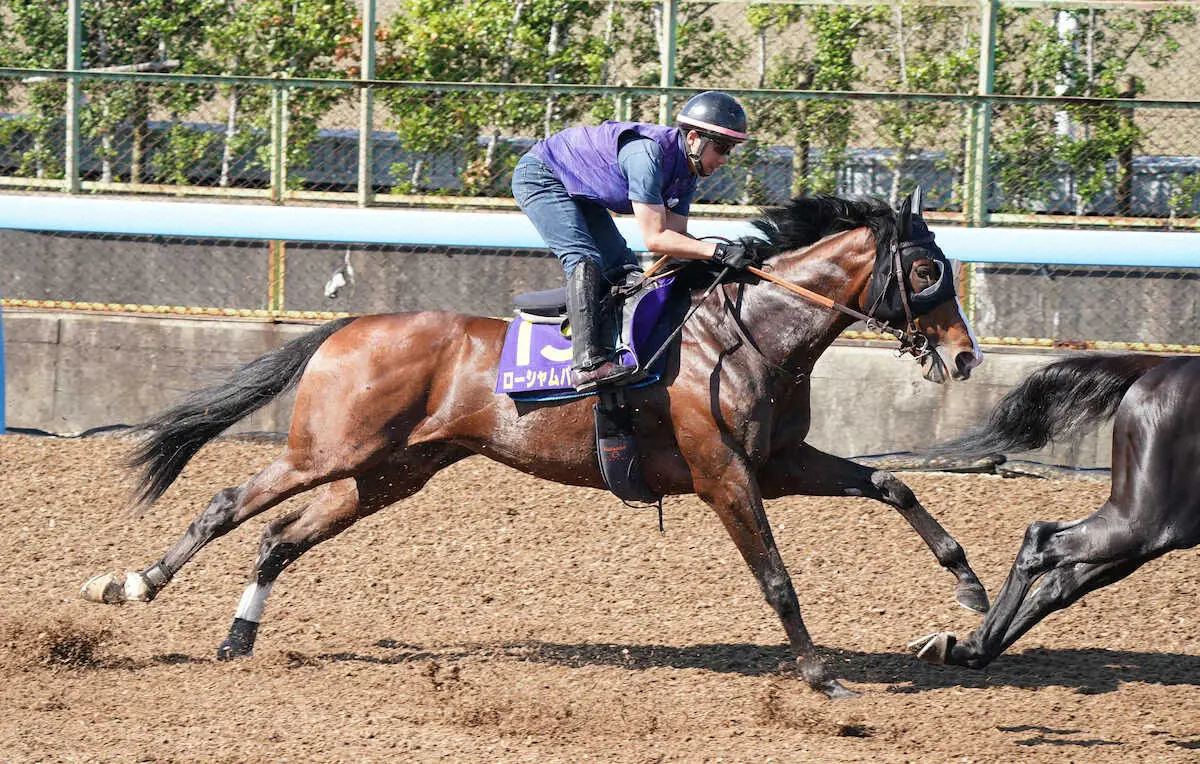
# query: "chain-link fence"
1014,112
1002,110
1061,306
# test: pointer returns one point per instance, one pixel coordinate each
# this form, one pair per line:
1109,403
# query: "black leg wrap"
156,575
156,578
240,642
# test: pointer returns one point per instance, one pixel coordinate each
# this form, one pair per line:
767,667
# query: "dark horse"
1153,509
386,401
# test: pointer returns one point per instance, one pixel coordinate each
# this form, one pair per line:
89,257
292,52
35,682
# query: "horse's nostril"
964,362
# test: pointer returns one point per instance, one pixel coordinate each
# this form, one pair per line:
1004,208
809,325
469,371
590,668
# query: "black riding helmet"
716,116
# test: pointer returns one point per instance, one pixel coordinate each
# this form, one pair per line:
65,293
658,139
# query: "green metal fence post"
278,147
74,62
670,10
366,109
276,275
978,171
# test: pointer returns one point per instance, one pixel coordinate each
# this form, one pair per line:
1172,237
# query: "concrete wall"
68,372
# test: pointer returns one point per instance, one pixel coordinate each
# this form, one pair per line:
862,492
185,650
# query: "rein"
912,341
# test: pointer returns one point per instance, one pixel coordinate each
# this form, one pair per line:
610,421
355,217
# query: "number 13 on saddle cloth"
535,363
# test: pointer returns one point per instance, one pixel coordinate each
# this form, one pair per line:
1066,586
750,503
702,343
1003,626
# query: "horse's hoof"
934,648
240,642
230,652
835,690
972,596
116,588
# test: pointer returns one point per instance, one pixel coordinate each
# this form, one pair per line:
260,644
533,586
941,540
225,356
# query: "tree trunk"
140,118
414,179
609,23
801,165
762,57
903,149
553,47
106,146
1126,88
506,68
230,133
39,164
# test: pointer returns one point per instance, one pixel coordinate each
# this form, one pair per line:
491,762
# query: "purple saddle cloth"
535,363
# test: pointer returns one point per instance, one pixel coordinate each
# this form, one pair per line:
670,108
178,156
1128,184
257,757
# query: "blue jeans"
572,228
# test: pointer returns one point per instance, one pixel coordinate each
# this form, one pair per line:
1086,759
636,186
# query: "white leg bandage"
254,599
136,588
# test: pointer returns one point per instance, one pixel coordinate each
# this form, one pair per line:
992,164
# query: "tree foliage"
1074,53
826,47
484,41
292,38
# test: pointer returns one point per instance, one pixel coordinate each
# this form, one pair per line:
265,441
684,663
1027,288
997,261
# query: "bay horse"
383,402
1154,506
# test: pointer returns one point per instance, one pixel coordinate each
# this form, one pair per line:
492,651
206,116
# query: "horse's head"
913,290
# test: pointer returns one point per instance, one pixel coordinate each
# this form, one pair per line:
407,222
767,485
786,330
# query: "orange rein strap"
808,294
911,342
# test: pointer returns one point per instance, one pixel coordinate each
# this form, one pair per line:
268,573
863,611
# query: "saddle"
535,366
535,362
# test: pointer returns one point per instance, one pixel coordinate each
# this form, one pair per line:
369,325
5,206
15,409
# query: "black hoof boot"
240,642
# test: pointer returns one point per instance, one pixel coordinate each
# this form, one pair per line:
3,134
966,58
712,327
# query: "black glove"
738,255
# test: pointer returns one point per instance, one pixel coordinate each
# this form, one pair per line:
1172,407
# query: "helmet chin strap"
695,158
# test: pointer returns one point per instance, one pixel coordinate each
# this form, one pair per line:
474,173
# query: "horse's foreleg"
334,508
227,510
1058,589
810,472
737,501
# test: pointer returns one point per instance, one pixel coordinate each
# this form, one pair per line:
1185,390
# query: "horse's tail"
177,433
1055,401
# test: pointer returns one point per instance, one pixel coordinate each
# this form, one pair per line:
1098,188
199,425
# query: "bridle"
911,340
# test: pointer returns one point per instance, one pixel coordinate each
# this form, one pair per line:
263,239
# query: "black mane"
806,220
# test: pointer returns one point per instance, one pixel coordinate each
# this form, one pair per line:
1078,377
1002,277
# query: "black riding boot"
592,329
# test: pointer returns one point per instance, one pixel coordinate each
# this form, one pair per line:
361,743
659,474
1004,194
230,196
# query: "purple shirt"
585,160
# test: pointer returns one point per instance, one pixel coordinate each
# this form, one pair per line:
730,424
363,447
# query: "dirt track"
497,617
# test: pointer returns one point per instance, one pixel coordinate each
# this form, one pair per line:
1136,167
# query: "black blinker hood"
915,242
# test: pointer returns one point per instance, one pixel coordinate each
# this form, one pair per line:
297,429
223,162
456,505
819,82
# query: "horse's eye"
922,274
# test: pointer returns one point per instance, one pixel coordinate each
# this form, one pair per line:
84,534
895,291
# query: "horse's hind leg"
231,507
334,508
810,472
1071,559
1057,590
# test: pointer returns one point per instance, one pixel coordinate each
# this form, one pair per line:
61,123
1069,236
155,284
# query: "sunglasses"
722,147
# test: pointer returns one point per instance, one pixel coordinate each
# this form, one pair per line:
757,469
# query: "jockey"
569,184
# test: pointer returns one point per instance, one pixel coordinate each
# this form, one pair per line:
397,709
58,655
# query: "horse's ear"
904,219
918,202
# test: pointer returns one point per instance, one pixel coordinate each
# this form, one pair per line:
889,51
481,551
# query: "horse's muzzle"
964,363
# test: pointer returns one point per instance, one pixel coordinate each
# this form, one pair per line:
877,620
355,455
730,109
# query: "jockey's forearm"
680,245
